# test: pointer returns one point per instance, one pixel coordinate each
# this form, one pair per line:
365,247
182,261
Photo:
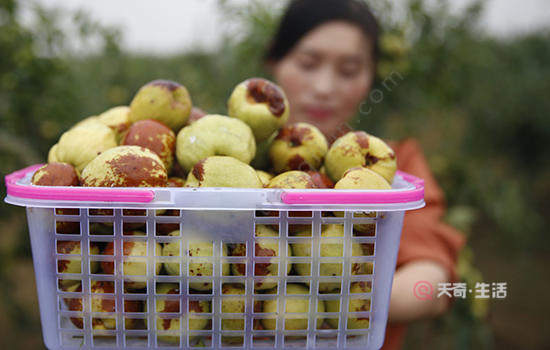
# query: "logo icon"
423,290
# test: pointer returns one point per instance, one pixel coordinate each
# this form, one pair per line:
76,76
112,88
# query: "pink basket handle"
372,197
65,193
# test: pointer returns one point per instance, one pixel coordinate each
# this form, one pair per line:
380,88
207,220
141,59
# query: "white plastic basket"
224,217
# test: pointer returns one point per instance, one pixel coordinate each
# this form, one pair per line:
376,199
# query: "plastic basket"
223,219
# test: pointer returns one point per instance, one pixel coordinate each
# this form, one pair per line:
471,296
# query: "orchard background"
478,105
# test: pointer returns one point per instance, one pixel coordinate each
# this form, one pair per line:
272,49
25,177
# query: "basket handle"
371,197
84,194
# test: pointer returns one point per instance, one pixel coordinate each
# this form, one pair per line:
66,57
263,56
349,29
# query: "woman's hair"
302,16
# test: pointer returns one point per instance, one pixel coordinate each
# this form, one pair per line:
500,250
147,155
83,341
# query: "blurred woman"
324,56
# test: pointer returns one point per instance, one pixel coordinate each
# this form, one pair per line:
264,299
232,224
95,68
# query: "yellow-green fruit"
132,268
163,100
73,266
196,249
264,176
125,166
80,145
262,248
328,250
86,121
72,288
355,305
203,249
221,171
299,146
293,305
102,304
292,179
214,135
117,118
361,178
261,104
359,149
232,305
52,154
168,306
173,306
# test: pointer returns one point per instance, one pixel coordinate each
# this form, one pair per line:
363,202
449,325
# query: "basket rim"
407,194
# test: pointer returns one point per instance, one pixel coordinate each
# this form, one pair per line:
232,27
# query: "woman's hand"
405,306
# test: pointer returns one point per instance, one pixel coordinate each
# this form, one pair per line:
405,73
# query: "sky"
168,26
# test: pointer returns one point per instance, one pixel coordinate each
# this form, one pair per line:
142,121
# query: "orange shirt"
425,236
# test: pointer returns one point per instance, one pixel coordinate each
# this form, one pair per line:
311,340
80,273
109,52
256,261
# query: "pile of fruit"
234,293
161,140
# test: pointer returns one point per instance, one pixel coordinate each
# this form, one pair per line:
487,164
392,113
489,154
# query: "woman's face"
326,76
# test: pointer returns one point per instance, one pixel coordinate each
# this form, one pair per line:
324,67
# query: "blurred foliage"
479,106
